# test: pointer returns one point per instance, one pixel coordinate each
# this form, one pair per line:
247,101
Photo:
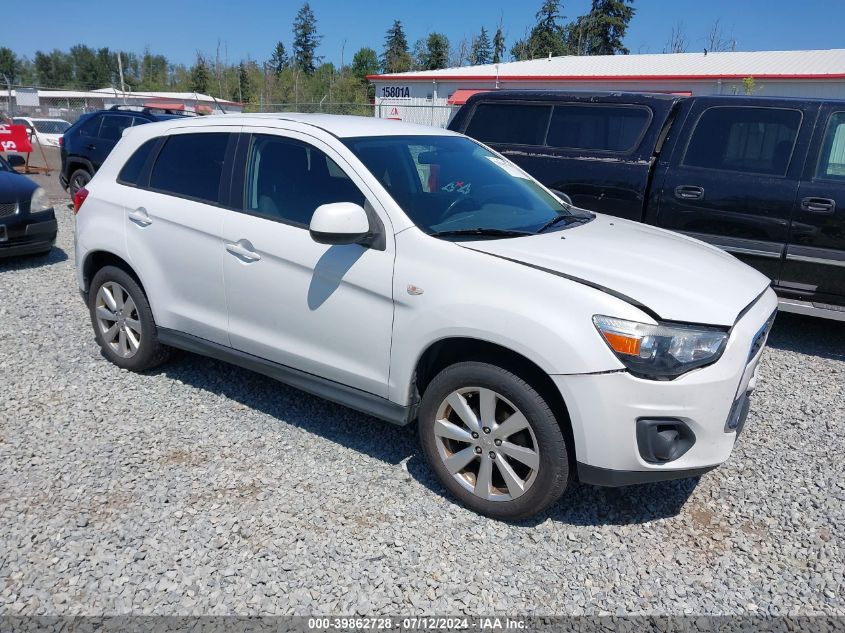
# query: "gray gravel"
202,488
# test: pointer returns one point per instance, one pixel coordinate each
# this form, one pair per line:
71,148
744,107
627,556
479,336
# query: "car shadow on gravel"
824,338
398,446
23,262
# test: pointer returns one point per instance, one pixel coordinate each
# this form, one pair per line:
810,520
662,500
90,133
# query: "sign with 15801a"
395,92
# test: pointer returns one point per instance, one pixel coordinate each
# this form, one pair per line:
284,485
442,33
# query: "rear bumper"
607,409
27,235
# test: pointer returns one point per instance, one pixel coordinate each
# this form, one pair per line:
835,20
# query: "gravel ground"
203,488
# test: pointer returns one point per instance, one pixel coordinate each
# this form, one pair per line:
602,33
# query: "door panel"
734,182
174,240
326,310
815,257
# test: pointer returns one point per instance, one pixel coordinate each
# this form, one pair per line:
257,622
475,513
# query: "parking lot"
204,488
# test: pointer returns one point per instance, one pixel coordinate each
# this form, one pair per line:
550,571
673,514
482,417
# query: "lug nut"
492,455
497,442
474,435
486,429
478,450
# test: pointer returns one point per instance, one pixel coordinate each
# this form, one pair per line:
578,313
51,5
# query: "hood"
15,187
676,277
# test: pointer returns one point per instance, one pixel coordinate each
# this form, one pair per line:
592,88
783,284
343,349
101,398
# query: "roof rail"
153,110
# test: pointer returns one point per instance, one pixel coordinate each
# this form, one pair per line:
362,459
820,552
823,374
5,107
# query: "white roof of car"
340,125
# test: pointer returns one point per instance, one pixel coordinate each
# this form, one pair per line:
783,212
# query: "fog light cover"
662,440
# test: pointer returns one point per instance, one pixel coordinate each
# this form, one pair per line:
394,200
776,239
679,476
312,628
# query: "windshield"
51,127
451,184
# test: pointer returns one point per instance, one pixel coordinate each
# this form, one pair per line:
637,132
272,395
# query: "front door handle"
825,206
90,146
689,192
139,216
243,250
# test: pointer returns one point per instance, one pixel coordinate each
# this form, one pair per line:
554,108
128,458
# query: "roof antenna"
215,103
550,56
705,52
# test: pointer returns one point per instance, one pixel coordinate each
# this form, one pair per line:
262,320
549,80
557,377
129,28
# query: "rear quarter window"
509,123
132,169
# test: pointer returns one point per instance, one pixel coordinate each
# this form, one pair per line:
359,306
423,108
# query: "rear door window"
832,158
191,165
509,123
744,139
113,125
598,128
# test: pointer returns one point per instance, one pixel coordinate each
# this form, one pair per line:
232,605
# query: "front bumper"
604,409
26,234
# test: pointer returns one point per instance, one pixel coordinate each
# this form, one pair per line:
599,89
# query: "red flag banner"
14,138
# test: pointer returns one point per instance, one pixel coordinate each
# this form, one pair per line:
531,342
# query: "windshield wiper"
571,218
481,231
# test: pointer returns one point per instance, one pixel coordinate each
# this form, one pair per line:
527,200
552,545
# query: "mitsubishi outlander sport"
416,275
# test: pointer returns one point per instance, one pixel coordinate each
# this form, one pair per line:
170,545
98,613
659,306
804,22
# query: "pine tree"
498,45
601,31
244,84
481,49
396,58
547,37
305,40
437,51
279,61
200,77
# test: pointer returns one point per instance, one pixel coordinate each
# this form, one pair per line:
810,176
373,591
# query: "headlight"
661,352
39,201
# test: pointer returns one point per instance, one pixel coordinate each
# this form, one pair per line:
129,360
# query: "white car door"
173,230
325,310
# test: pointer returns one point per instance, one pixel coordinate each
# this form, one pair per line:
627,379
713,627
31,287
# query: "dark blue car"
27,221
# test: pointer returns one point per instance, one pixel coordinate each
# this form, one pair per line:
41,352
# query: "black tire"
150,352
552,475
78,179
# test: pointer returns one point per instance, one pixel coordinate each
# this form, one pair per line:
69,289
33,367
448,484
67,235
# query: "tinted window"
139,121
516,123
190,165
602,128
134,166
113,125
832,159
90,127
288,180
757,140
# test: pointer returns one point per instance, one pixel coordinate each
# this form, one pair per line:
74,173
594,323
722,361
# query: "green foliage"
498,46
244,84
200,78
9,64
601,31
365,62
749,86
279,61
437,52
396,58
482,49
547,37
306,40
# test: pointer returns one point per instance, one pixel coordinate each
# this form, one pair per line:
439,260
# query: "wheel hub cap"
117,319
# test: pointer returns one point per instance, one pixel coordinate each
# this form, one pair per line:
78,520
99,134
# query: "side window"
190,165
135,165
113,126
600,128
513,123
752,140
832,157
287,180
91,127
136,121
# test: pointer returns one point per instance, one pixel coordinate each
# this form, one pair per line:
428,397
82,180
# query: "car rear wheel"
78,180
123,322
493,441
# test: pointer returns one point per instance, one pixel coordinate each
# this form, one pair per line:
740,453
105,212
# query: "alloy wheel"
486,444
118,319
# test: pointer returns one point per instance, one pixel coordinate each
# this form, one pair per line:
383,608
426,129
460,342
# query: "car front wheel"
493,441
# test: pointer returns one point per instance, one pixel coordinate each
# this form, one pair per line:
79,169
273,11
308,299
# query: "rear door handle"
243,250
818,205
689,192
140,217
90,146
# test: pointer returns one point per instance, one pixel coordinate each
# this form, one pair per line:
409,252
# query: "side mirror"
16,160
340,223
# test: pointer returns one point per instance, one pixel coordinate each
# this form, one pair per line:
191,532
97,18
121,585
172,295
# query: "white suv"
414,274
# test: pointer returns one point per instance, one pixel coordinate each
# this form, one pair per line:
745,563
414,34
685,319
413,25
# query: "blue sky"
251,27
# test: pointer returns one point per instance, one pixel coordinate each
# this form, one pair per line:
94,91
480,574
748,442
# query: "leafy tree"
498,45
482,50
153,70
54,69
9,64
305,40
396,58
200,77
600,32
437,52
279,61
365,62
547,36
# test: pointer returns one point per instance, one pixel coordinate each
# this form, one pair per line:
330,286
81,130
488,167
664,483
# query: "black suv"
87,142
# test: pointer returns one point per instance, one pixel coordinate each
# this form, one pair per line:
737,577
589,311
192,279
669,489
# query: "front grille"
8,208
